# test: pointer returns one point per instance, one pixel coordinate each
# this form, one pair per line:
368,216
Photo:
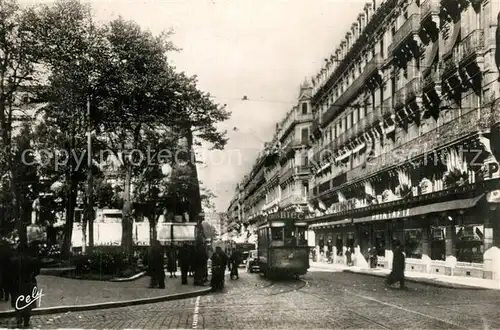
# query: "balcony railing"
302,170
293,199
304,117
399,97
411,26
449,132
471,45
358,84
429,7
414,87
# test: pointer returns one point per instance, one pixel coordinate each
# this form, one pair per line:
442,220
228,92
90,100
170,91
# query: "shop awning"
330,223
457,204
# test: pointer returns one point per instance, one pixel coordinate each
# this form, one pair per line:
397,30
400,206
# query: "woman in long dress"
172,262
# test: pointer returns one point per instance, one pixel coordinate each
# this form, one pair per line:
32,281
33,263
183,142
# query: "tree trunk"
16,205
85,221
89,209
127,243
194,196
70,216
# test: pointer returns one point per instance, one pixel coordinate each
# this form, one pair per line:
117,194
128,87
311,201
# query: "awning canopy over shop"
330,223
457,204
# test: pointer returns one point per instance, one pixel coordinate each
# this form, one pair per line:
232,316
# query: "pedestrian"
172,261
234,263
25,267
373,257
398,267
199,260
192,253
219,263
184,262
6,254
348,255
156,265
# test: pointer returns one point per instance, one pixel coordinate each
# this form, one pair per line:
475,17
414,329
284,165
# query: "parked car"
252,262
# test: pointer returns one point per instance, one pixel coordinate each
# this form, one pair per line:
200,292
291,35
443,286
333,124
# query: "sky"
262,49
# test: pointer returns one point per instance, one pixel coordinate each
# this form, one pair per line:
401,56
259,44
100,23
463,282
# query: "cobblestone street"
323,300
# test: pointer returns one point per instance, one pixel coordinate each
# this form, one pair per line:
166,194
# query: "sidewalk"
457,282
63,294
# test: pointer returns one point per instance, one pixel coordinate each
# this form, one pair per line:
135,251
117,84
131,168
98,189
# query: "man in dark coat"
200,264
156,265
398,267
219,263
172,261
184,262
235,261
24,269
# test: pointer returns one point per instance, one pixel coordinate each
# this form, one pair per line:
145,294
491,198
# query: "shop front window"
438,243
380,242
413,243
470,243
339,245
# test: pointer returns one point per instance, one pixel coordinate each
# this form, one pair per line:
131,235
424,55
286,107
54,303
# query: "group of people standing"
18,272
192,261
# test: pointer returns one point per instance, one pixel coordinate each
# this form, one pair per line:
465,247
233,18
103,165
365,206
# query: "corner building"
406,138
279,178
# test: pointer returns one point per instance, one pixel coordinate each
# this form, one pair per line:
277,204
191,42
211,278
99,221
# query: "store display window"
413,243
469,243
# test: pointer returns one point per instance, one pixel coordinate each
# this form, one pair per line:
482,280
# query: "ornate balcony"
285,171
410,27
354,89
449,132
302,170
292,199
413,88
471,46
428,8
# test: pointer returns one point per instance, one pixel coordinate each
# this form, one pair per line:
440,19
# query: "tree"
17,67
73,50
133,104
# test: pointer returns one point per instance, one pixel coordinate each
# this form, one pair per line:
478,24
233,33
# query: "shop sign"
392,215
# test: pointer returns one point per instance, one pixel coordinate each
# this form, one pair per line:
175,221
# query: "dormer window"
304,108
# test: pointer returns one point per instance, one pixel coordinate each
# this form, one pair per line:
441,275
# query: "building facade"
405,141
279,179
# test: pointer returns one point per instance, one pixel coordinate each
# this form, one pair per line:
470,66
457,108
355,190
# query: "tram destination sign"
286,215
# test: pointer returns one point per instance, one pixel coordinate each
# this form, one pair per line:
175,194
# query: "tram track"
376,323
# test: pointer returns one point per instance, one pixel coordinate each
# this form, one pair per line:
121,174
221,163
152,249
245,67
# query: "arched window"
304,108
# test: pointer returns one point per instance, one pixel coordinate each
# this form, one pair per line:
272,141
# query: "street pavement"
59,291
320,300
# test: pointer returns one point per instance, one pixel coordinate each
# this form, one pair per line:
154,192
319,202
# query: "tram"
282,248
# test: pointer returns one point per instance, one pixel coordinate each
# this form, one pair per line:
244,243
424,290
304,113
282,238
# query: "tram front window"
277,234
301,236
290,236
